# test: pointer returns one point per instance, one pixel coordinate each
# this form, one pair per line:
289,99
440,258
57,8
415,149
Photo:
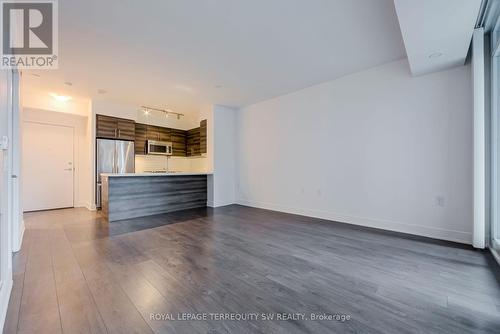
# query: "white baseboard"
214,204
16,247
5,291
425,231
495,254
88,206
218,205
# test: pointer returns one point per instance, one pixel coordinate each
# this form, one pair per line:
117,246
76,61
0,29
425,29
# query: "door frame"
16,163
72,158
12,107
494,237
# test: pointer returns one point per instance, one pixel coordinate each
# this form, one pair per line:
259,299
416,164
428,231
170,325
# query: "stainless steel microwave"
159,147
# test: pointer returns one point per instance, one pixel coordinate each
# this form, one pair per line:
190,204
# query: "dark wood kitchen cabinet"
193,142
114,128
158,133
126,129
178,139
140,138
203,136
152,132
196,143
146,132
107,127
164,134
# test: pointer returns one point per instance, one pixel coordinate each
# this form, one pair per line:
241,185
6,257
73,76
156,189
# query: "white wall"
6,198
376,148
40,99
222,183
82,191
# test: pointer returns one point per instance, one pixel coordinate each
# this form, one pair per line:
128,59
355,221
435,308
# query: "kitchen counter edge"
154,174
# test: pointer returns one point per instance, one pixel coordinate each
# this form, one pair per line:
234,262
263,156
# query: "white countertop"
155,174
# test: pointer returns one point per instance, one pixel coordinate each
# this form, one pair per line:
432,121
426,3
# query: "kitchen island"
132,195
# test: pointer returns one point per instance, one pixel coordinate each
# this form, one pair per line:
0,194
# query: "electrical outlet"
4,143
440,201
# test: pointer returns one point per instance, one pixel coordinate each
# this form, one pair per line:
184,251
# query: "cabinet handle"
119,135
115,133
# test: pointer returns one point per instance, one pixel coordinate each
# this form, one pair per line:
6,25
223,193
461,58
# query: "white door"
47,166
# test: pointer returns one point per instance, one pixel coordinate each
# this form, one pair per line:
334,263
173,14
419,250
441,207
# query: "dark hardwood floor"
78,274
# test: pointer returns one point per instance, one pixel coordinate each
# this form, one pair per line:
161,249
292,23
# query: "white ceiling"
441,28
175,53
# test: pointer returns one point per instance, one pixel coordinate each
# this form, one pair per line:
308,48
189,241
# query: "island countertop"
154,174
131,195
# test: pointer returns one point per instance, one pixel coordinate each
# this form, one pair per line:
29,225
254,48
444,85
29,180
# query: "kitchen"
92,140
141,168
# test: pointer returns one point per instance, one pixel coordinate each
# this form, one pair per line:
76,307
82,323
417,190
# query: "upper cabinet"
140,138
196,143
178,139
165,134
193,142
145,132
152,132
126,129
203,136
184,143
114,128
158,133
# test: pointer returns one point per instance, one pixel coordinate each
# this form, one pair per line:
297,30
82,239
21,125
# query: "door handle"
68,169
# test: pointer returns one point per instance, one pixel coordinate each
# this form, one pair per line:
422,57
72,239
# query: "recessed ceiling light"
67,83
184,88
435,55
60,98
101,91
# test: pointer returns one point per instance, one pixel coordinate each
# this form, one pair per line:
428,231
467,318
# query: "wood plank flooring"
76,273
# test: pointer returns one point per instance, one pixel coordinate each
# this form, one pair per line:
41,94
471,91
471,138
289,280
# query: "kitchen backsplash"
145,163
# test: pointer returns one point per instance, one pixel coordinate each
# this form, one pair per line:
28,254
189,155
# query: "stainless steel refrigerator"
113,156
